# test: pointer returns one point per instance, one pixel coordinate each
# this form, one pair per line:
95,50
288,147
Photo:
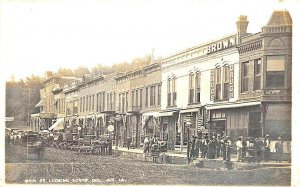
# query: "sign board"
9,118
110,128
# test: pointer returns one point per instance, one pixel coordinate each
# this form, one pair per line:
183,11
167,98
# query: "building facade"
52,103
237,85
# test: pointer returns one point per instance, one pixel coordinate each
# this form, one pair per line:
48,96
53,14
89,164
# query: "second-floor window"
226,82
218,83
198,84
93,101
275,71
132,98
174,93
146,103
191,88
159,94
169,92
75,107
257,74
245,77
126,100
141,98
120,102
152,95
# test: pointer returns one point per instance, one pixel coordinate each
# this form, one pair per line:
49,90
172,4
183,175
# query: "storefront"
169,127
235,119
278,120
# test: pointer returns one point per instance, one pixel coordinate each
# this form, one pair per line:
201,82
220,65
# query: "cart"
85,144
34,145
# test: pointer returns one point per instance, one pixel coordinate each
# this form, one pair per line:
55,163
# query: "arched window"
198,83
191,88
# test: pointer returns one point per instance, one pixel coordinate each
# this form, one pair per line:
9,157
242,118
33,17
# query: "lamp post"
29,95
188,125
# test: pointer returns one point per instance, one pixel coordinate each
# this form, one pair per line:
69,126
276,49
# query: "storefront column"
263,109
181,135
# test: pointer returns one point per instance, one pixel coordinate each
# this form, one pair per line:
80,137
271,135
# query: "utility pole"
29,95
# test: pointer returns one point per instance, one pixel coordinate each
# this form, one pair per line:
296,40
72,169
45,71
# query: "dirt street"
65,167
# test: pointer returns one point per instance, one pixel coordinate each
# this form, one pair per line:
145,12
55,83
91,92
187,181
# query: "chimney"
242,24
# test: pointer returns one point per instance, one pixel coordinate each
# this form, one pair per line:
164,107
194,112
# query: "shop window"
226,82
198,83
218,83
275,71
245,76
191,88
257,74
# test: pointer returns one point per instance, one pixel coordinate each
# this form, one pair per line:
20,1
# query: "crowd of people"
246,148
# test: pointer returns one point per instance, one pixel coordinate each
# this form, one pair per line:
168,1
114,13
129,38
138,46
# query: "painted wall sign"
231,81
212,85
223,44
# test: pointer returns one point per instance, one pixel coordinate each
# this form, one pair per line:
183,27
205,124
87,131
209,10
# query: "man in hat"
146,144
128,142
279,149
193,143
266,148
239,147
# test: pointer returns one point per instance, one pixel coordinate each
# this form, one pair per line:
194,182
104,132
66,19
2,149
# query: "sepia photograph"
137,92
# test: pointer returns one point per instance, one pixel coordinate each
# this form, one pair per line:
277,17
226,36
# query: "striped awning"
54,102
40,103
233,105
189,110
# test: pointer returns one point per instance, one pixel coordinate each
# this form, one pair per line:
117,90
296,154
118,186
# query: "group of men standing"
211,148
221,146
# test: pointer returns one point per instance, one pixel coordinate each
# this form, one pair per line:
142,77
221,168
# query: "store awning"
154,114
54,102
58,125
161,114
232,105
40,103
189,110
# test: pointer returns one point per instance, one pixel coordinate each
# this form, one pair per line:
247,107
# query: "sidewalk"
174,157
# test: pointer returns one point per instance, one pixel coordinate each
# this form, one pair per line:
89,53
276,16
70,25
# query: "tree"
65,72
80,71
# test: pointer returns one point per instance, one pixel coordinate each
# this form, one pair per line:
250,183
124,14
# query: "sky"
41,35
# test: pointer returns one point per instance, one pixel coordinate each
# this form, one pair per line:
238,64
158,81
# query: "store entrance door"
254,124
